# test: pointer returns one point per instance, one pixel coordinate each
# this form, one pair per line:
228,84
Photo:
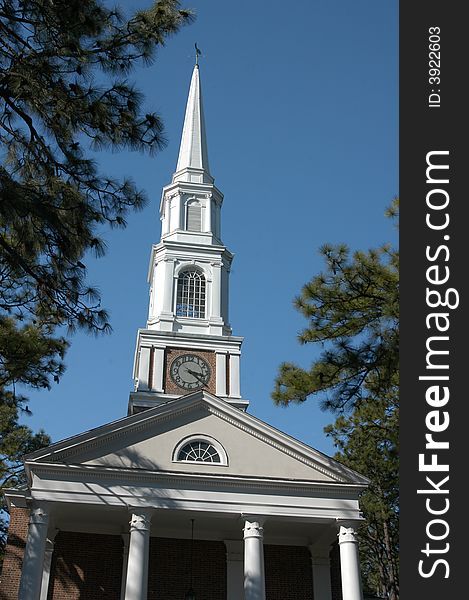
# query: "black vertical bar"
434,396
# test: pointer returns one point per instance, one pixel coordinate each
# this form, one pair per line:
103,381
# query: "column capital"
347,531
39,515
253,528
347,534
140,519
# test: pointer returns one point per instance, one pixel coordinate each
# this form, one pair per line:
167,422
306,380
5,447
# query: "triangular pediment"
149,441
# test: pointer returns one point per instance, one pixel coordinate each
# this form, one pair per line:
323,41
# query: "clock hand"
196,375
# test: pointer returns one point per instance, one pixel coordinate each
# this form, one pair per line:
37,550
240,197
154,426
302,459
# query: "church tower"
188,344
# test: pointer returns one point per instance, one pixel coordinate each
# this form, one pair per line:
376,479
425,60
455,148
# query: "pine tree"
63,89
353,314
15,441
352,310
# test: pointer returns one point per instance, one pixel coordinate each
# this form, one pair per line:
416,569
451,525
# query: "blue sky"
301,108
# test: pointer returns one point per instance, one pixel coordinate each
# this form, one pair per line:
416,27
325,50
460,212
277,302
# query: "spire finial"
197,54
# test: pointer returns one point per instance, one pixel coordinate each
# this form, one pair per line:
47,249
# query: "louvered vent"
194,217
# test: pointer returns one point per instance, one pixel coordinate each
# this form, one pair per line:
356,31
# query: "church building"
189,496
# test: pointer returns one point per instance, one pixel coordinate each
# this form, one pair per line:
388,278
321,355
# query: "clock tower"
188,344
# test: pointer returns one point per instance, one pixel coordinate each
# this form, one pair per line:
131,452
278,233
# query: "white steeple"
189,275
193,155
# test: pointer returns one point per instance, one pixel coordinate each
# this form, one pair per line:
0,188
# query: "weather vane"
197,54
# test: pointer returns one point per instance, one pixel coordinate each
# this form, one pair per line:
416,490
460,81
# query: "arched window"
190,300
200,449
194,216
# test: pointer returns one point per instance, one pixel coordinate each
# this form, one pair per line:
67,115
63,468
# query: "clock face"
190,372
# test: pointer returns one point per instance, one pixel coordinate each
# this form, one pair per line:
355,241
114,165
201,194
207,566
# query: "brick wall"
170,569
11,572
89,567
86,567
288,573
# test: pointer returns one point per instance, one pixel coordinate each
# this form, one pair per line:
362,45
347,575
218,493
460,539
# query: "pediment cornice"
69,451
144,477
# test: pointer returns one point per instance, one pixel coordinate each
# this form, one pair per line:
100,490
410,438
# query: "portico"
87,485
247,581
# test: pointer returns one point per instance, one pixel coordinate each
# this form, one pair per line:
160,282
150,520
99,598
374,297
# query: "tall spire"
189,272
193,156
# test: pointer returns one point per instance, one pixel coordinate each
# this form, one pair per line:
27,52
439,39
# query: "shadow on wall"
86,567
122,490
89,567
11,567
170,569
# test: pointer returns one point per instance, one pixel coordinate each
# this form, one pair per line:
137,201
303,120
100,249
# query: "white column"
137,565
225,293
168,285
158,362
254,583
208,212
144,368
216,290
165,216
175,218
181,210
234,376
221,374
234,569
217,221
49,550
349,564
321,566
33,560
